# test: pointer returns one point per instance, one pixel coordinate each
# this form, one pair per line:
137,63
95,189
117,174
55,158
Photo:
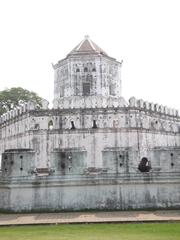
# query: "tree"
13,97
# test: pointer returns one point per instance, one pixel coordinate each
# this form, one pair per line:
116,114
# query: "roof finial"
86,36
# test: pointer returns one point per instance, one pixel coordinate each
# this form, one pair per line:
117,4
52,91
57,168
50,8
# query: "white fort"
92,150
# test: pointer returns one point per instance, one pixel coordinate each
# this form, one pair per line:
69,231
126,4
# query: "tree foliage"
13,97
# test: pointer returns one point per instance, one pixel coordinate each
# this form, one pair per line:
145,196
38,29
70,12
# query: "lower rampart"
110,192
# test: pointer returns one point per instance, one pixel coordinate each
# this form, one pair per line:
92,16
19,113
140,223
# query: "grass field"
148,231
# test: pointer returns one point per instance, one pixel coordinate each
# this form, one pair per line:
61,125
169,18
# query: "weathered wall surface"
92,158
87,75
113,139
94,192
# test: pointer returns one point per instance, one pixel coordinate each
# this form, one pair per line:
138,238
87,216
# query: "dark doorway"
86,89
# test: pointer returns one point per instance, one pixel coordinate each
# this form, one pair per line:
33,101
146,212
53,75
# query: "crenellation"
20,110
24,107
174,112
4,117
122,102
45,105
141,104
89,102
30,106
8,115
133,102
16,112
147,105
161,109
156,107
152,107
166,110
11,114
169,111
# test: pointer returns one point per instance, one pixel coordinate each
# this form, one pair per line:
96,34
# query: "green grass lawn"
148,231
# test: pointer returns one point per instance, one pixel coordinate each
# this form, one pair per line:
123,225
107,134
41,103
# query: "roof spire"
87,46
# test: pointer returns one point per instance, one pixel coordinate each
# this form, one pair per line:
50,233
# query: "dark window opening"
94,124
86,89
50,125
36,126
172,164
63,165
21,169
5,157
72,125
144,165
94,69
21,156
69,157
120,164
5,169
63,154
12,162
77,70
112,89
85,69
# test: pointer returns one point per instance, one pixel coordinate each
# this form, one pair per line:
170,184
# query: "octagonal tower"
87,71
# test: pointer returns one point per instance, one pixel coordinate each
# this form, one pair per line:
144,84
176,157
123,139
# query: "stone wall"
123,134
94,192
87,75
110,156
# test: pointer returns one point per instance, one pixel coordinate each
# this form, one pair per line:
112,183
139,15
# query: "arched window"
94,124
61,91
85,69
172,160
94,69
144,165
72,125
50,125
77,70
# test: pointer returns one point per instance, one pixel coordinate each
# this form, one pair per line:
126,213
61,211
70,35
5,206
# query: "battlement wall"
21,111
136,114
133,130
152,107
94,102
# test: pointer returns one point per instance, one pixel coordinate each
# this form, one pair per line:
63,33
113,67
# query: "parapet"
23,109
89,102
152,107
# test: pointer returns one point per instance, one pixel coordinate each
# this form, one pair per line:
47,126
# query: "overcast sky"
144,33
